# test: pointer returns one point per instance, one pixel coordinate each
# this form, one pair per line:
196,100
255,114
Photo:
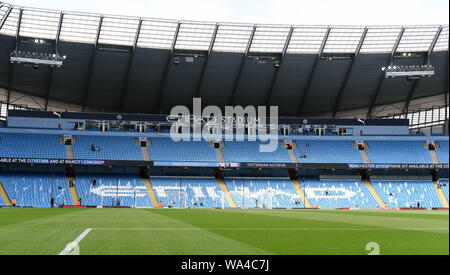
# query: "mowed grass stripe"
394,240
218,232
152,241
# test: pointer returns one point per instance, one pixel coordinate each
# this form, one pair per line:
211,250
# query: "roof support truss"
426,62
382,77
275,75
91,64
347,75
129,66
244,58
205,64
313,72
50,76
158,101
2,22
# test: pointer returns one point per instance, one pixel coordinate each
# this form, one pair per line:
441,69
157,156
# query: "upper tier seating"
165,149
442,152
327,151
31,145
109,188
111,148
258,193
178,191
408,152
405,194
341,194
246,151
36,190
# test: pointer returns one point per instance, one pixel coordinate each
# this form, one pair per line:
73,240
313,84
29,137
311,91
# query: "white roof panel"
157,34
194,36
269,39
79,28
307,40
380,39
343,40
232,38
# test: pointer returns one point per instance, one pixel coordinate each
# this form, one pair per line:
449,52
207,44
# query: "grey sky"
295,12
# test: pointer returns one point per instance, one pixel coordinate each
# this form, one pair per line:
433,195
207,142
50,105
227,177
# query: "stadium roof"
117,63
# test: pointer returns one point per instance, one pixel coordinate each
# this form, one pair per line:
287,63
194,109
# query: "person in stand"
14,202
93,148
112,201
52,202
79,200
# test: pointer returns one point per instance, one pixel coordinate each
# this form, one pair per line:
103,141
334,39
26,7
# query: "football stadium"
145,136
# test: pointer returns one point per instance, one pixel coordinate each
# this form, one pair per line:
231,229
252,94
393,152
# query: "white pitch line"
269,229
70,246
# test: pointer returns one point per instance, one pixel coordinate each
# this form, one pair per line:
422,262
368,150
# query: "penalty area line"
72,245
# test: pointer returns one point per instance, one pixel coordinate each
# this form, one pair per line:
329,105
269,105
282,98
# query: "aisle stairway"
301,194
150,191
440,194
374,193
73,190
226,192
4,195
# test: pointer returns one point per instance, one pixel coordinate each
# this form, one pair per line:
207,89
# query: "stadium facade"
91,128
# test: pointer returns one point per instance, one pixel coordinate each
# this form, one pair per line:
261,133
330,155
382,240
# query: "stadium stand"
2,203
108,189
327,151
111,148
245,151
36,190
442,152
264,193
31,145
444,187
398,152
406,194
338,194
164,149
186,192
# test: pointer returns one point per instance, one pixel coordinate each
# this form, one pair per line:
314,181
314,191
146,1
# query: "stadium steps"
301,194
150,191
364,156
145,153
434,157
4,195
440,194
226,192
291,152
73,190
69,151
220,155
374,193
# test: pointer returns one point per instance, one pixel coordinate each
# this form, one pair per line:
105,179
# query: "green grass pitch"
223,232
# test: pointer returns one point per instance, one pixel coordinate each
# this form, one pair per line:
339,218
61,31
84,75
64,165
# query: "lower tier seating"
36,190
444,187
260,193
405,194
338,194
191,192
130,190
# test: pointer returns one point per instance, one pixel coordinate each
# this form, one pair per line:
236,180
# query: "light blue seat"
405,194
165,149
442,152
258,193
338,194
109,188
111,148
398,152
327,151
249,151
31,146
180,192
444,187
36,190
